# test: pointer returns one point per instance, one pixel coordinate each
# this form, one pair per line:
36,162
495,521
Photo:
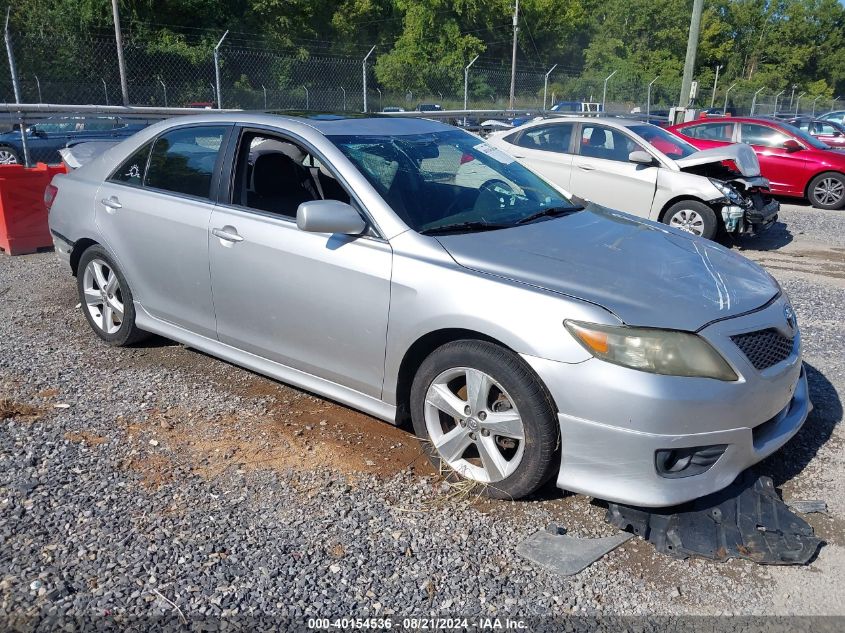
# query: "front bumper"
758,217
613,420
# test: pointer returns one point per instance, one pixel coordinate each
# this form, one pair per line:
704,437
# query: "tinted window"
710,131
99,124
600,142
60,125
550,138
761,135
133,168
183,160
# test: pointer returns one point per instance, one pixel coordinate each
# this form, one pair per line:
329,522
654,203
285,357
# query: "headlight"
729,192
652,350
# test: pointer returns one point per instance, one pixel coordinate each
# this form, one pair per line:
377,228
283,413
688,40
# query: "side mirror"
329,216
640,157
791,145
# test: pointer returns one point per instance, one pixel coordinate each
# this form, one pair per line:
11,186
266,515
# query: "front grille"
764,348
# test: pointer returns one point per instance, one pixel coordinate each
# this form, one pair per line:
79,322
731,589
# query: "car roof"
611,121
326,123
733,119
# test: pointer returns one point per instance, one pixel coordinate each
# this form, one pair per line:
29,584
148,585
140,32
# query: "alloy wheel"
688,220
103,297
829,191
474,425
7,157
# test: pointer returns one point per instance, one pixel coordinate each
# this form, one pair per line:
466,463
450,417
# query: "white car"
644,170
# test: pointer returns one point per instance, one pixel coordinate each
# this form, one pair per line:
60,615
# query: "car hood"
741,154
644,273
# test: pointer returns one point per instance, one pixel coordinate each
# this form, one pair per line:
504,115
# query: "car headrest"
274,173
598,138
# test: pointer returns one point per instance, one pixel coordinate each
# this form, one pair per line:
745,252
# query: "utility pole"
715,83
121,63
217,70
692,51
14,74
513,56
364,69
546,84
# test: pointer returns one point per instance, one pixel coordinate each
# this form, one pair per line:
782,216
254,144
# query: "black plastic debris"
566,555
746,520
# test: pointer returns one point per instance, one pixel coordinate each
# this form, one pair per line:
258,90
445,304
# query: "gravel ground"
158,481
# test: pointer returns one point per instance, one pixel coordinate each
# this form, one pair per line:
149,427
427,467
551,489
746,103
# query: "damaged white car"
642,169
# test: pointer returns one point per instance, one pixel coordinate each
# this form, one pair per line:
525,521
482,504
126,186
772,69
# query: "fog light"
686,462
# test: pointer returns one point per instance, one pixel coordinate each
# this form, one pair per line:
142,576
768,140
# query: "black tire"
127,333
541,431
10,155
827,191
706,221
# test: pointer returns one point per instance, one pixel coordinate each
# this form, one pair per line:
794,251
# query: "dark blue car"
47,137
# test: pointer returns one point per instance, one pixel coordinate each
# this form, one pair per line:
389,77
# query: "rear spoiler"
83,153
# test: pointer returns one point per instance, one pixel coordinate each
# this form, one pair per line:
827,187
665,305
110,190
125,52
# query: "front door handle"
586,167
229,235
111,204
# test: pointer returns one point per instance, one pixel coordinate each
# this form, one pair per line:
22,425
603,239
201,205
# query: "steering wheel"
496,187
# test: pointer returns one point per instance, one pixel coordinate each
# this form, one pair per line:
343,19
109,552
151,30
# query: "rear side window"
550,138
182,161
132,171
710,131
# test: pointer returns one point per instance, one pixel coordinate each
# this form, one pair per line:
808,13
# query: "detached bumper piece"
746,520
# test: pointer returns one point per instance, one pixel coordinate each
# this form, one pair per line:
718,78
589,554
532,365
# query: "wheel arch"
79,247
668,205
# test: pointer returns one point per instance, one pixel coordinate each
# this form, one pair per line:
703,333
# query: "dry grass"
85,437
9,409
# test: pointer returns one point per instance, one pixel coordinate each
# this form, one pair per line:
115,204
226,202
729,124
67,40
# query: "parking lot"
158,480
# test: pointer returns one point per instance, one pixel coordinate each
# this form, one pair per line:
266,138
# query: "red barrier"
23,214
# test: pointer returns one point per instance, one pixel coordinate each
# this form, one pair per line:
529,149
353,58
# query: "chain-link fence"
85,71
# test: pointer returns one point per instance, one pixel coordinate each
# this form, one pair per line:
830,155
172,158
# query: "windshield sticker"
495,154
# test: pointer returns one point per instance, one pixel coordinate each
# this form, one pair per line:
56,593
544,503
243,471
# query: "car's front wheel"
693,217
106,298
827,191
483,416
8,156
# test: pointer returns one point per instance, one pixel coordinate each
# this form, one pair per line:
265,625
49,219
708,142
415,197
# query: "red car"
795,163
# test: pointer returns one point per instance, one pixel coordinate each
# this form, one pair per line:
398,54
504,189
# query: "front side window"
183,160
598,141
132,170
60,125
449,178
761,135
710,132
549,138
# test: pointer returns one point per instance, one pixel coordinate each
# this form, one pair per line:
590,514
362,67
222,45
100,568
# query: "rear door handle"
111,204
586,167
230,236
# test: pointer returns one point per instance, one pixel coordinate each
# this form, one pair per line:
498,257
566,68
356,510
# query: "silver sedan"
412,271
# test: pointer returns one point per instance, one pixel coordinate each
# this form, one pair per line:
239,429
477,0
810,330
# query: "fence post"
466,85
16,87
604,91
306,96
265,95
727,92
344,98
776,100
715,83
105,89
379,98
121,63
38,85
798,102
546,84
165,90
648,99
364,71
814,105
754,100
217,70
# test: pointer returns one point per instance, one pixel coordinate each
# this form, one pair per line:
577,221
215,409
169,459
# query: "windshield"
663,141
447,178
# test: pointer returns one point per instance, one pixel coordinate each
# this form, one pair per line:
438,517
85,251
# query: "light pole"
38,85
715,83
648,98
604,91
217,69
165,91
798,102
364,75
754,100
546,85
727,92
466,83
814,104
776,101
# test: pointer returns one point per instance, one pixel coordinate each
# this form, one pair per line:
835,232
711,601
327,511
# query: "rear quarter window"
133,169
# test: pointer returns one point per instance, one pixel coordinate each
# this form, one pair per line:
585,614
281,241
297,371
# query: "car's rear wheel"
693,217
8,156
106,298
827,191
483,416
